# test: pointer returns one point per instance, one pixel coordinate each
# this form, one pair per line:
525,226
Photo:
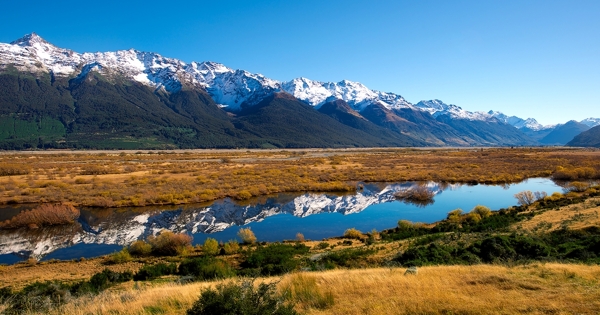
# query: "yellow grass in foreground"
482,289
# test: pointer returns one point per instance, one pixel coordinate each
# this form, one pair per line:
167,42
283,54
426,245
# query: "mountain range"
52,97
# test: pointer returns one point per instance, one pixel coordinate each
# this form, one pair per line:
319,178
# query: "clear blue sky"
527,58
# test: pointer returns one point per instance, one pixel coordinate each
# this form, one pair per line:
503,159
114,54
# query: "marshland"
538,254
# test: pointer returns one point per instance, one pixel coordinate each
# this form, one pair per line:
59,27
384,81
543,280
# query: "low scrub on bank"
43,215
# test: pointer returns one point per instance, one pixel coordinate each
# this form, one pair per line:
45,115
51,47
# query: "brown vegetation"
150,178
43,215
419,195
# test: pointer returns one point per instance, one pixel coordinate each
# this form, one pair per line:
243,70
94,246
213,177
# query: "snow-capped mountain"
519,123
437,108
120,228
179,108
228,87
591,122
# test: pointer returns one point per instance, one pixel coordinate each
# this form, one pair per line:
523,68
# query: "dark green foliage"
274,259
560,245
241,299
101,281
149,272
401,233
349,258
206,268
42,296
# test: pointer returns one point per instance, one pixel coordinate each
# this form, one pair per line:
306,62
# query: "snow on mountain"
229,88
357,95
520,123
437,108
591,122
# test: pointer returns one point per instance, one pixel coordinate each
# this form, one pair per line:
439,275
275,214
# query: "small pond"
276,218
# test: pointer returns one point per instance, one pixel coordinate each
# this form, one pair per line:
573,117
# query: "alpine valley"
52,97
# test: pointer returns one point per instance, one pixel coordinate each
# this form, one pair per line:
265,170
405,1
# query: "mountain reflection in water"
316,215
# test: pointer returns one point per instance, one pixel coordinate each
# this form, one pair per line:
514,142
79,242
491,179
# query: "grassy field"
481,289
128,178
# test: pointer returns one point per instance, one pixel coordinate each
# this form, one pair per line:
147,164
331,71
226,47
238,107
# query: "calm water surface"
317,216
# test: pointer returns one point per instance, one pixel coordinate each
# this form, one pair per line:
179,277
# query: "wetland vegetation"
538,257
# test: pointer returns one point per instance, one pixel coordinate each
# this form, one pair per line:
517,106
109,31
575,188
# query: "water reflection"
272,218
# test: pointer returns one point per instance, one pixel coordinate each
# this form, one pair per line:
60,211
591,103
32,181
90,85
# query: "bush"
247,236
241,299
482,211
322,245
350,258
140,248
231,247
210,247
455,215
353,233
120,257
168,243
205,268
43,215
148,272
275,258
419,195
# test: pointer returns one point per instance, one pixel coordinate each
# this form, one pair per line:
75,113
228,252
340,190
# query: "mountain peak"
29,40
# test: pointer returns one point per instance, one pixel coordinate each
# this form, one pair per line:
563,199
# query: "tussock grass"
481,289
577,216
119,179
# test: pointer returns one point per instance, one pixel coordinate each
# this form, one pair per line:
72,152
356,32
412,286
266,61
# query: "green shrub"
275,258
350,258
120,257
205,268
322,245
210,246
140,248
231,247
353,233
482,211
241,299
150,272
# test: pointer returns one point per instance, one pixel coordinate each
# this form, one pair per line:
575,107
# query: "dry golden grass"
576,216
480,289
20,275
116,179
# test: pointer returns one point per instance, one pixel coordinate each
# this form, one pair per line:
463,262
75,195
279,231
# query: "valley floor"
127,178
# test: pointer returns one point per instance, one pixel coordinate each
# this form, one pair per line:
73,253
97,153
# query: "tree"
525,198
482,211
210,247
247,236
